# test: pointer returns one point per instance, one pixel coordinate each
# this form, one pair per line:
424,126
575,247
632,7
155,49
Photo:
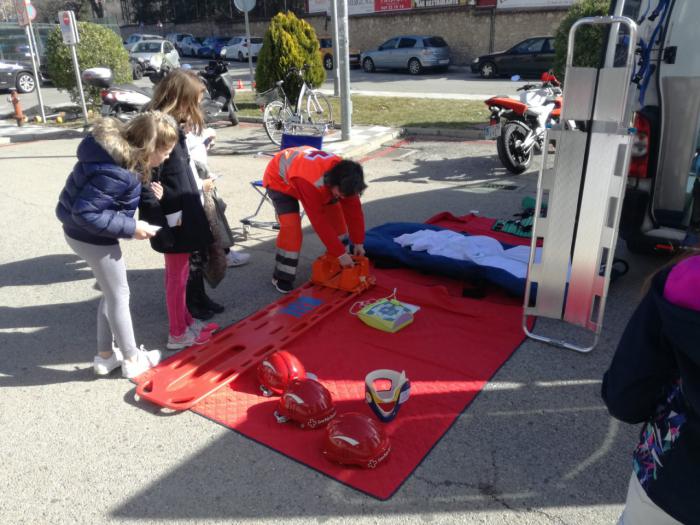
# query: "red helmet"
277,370
307,402
356,439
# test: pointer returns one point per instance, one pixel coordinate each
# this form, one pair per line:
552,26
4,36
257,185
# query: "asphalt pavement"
535,447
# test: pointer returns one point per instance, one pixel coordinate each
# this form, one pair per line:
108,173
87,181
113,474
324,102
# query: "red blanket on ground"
475,225
453,347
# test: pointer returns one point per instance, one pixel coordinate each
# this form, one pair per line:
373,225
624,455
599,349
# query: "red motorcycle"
519,124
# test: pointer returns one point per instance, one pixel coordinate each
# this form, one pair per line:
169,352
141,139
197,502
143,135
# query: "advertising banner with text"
361,7
524,4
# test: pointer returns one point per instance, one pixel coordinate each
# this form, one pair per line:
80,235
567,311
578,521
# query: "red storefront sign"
392,5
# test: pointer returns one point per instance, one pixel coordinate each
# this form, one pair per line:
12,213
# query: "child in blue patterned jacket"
654,379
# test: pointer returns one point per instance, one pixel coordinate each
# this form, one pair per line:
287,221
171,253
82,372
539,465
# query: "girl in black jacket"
180,212
654,379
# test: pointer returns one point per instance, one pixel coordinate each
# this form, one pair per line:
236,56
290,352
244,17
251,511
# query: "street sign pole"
79,81
69,30
25,14
246,6
37,73
250,50
336,69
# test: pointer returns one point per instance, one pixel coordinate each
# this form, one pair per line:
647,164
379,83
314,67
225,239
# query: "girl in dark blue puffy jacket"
654,379
97,207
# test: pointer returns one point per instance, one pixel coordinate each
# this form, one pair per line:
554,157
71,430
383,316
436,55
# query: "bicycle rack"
569,279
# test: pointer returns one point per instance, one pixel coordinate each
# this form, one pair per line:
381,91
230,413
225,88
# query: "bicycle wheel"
275,117
318,109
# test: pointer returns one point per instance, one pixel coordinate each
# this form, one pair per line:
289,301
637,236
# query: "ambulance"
661,210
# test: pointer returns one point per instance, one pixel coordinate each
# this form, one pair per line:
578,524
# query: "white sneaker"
104,367
145,359
237,258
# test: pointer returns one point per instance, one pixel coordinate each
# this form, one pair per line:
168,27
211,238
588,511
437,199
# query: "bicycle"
280,117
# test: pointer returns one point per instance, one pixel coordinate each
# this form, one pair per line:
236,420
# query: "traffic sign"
244,5
22,8
69,28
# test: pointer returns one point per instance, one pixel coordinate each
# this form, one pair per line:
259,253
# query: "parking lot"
458,82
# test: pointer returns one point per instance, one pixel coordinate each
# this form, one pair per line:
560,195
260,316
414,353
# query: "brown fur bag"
215,210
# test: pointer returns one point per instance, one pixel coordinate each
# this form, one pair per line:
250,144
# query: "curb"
359,151
466,133
475,133
52,135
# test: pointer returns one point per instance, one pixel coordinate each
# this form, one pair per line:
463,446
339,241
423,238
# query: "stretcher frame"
568,280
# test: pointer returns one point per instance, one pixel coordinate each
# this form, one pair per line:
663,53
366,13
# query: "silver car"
156,56
413,52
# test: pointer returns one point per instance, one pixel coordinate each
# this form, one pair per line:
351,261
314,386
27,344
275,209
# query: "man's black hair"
348,176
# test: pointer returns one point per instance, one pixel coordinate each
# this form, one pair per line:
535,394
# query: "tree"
47,10
98,47
288,42
589,39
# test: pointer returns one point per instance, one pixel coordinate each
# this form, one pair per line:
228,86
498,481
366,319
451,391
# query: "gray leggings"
113,315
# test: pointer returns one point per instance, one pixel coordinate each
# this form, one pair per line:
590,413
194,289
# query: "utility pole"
344,67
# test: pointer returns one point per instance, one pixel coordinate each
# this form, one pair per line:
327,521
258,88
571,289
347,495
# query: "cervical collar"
397,394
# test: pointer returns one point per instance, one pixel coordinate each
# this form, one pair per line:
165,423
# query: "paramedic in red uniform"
329,188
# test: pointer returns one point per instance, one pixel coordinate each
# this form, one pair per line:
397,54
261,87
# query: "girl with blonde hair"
97,207
180,211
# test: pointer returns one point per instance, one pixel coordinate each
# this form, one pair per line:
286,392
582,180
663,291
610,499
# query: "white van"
661,210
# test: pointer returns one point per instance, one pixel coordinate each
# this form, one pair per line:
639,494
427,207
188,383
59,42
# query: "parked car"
238,48
326,50
134,39
531,57
137,68
211,47
413,52
156,56
190,45
17,75
176,38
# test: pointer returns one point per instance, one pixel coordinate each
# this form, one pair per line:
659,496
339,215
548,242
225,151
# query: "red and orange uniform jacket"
298,172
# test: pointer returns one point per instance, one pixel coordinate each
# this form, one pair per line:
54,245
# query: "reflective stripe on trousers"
288,243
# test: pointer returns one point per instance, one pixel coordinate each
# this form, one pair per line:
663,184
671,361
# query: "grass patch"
396,112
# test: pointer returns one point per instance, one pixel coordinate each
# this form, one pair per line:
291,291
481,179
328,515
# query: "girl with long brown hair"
180,212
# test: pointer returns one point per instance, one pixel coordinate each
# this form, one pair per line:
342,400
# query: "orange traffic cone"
240,84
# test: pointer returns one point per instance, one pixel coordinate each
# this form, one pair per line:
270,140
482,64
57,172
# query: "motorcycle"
519,125
222,94
124,101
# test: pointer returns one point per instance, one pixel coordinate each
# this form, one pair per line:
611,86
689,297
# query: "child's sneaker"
237,258
200,326
104,367
145,359
188,338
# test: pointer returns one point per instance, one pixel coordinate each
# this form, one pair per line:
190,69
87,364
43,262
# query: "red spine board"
196,372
